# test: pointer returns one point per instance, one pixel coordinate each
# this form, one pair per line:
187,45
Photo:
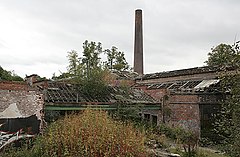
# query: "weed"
91,133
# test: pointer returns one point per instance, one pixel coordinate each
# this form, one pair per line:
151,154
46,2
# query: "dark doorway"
207,112
154,120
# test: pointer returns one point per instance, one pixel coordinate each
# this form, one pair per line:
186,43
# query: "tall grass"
91,133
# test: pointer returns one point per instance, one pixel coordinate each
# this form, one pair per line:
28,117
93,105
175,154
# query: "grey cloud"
174,31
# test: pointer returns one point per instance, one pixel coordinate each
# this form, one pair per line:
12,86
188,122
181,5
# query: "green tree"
91,54
9,76
91,62
224,55
227,124
87,71
73,62
116,59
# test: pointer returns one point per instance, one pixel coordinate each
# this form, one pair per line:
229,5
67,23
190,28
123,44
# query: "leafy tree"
116,59
5,75
8,75
227,125
90,63
73,62
87,71
91,54
224,55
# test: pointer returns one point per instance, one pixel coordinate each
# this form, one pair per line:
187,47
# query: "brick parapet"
12,85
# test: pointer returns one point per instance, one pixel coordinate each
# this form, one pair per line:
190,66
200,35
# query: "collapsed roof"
66,93
187,86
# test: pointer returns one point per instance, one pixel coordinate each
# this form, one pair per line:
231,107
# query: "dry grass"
92,133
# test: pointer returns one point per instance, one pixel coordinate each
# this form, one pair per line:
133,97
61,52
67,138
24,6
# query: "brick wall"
27,102
182,107
21,112
11,85
19,100
179,109
156,93
185,112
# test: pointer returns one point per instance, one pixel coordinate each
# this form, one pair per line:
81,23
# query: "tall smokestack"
138,43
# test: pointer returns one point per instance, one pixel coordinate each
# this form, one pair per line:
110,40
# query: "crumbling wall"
21,112
20,103
177,109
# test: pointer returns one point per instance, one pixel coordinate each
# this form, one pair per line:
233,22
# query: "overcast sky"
35,35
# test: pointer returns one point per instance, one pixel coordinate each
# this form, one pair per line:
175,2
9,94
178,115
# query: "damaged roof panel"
73,94
186,85
206,83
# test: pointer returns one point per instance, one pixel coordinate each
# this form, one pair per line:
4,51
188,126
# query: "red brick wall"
185,111
11,85
156,93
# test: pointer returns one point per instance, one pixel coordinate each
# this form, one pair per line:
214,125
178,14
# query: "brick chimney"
138,43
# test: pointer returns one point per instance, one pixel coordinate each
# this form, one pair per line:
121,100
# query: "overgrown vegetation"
227,125
185,140
91,133
161,136
89,71
94,133
81,65
9,76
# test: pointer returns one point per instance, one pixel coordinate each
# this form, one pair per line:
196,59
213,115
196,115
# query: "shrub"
13,150
187,139
91,133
